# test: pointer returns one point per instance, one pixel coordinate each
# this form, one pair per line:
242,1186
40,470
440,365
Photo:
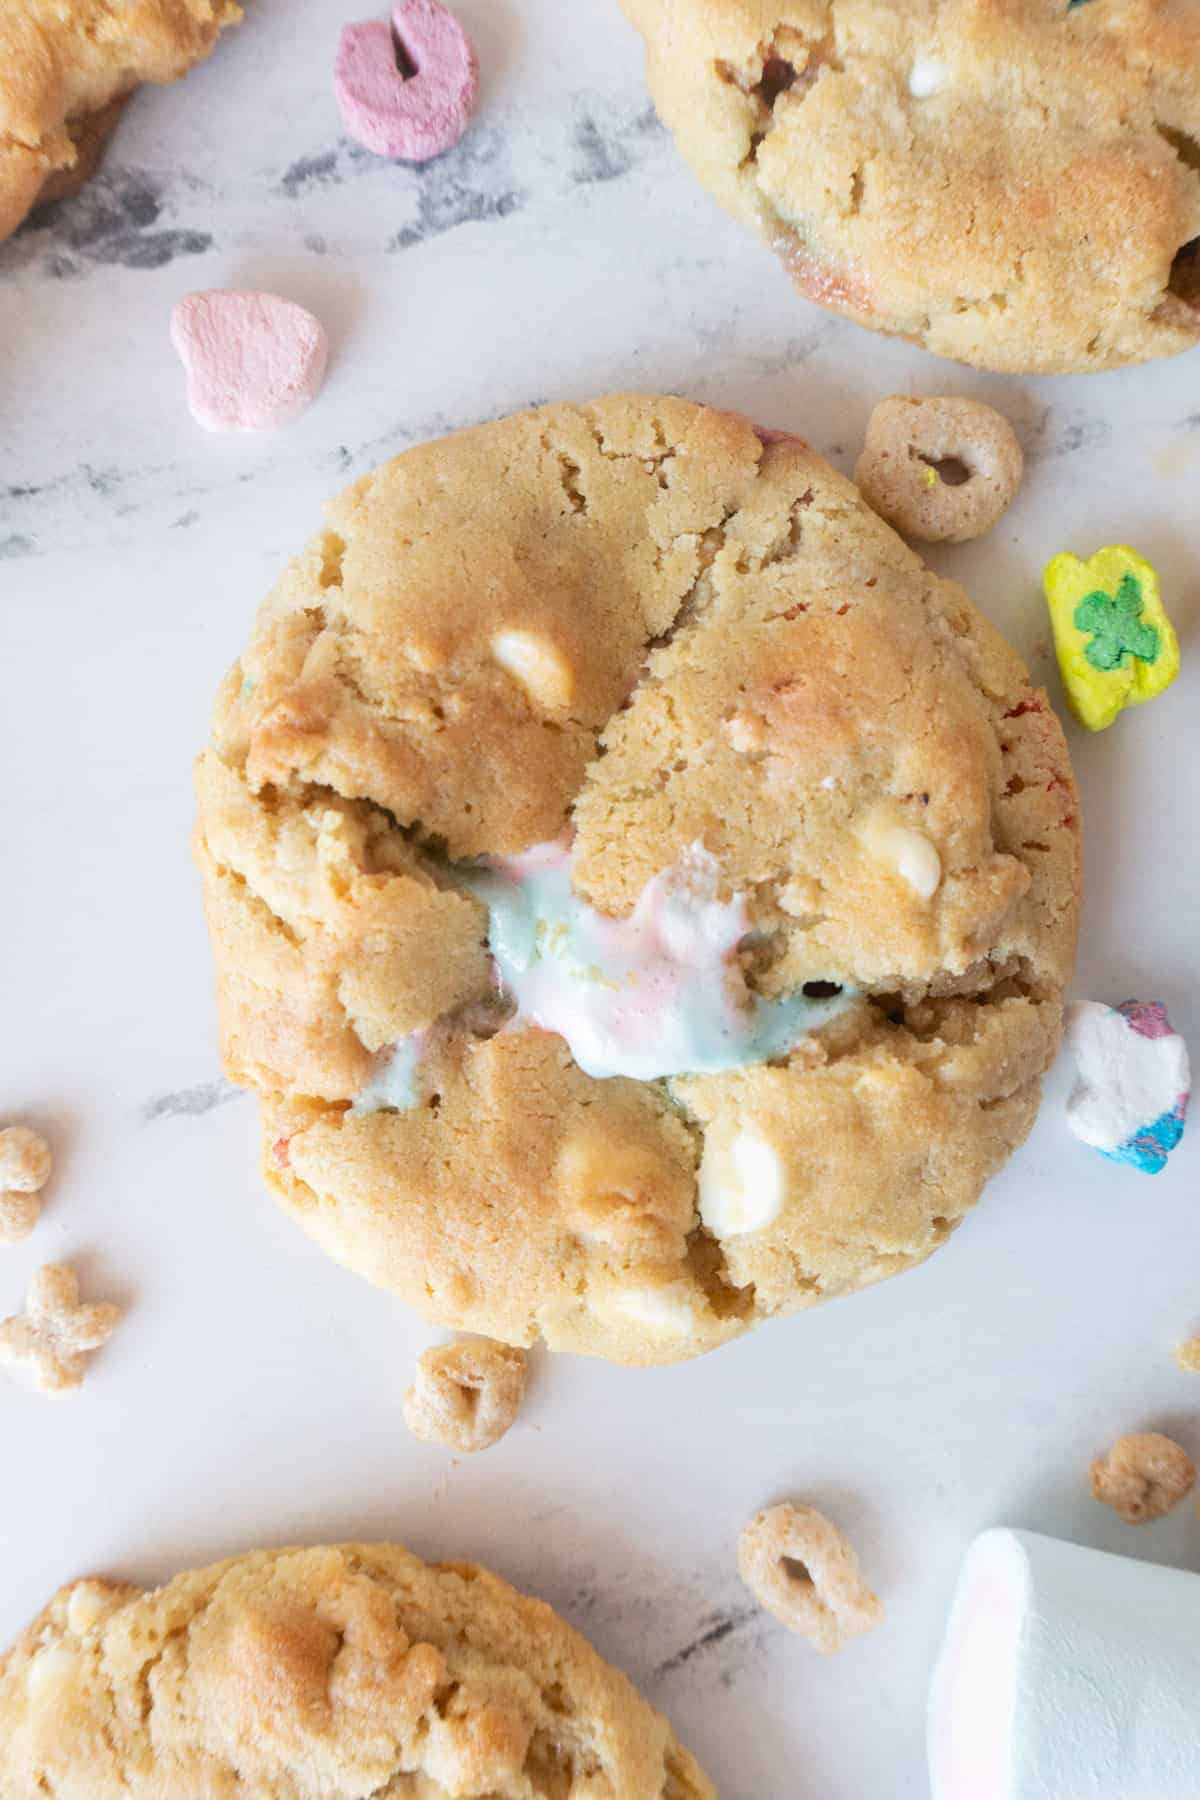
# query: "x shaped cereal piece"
55,1332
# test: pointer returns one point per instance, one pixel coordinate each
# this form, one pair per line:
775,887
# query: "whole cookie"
641,891
303,1674
1014,183
66,69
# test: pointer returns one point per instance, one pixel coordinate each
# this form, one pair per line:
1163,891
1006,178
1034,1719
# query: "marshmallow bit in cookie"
1065,1671
394,1084
909,853
538,665
657,993
928,76
741,1185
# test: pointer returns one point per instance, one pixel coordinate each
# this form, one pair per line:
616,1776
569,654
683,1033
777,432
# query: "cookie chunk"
310,1673
1014,184
66,69
641,891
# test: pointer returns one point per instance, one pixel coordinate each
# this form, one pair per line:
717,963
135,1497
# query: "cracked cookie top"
324,1674
66,68
1013,183
641,891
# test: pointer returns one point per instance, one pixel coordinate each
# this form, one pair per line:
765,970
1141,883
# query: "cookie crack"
787,64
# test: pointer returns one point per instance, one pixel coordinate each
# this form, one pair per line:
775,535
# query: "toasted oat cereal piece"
55,1332
19,1213
25,1160
466,1394
801,1568
939,470
1143,1476
1187,1355
25,1164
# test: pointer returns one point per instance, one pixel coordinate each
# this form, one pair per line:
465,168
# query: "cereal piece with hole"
466,1394
25,1164
1143,1477
800,1567
939,470
56,1332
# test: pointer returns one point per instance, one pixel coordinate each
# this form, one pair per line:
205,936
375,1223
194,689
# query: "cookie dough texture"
722,644
66,70
324,1674
1013,183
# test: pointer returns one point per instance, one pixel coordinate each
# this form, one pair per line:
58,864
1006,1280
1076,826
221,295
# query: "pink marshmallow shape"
417,116
252,360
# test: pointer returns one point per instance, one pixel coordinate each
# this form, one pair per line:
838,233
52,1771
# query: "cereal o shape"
800,1567
940,470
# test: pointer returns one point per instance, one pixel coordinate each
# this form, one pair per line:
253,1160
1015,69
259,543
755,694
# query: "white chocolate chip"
741,1185
89,1602
50,1667
659,1312
745,732
910,853
928,76
537,664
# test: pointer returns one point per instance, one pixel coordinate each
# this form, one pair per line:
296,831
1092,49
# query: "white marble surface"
252,1395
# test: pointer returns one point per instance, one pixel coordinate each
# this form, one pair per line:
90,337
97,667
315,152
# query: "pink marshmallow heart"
415,116
252,360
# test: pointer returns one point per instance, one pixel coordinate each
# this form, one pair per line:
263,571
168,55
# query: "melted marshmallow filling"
655,994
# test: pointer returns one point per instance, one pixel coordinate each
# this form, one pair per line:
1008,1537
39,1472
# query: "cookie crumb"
1143,1476
466,1394
800,1567
1187,1355
939,470
25,1164
55,1332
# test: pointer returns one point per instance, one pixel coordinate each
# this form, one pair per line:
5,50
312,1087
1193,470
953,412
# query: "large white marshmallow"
1066,1674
